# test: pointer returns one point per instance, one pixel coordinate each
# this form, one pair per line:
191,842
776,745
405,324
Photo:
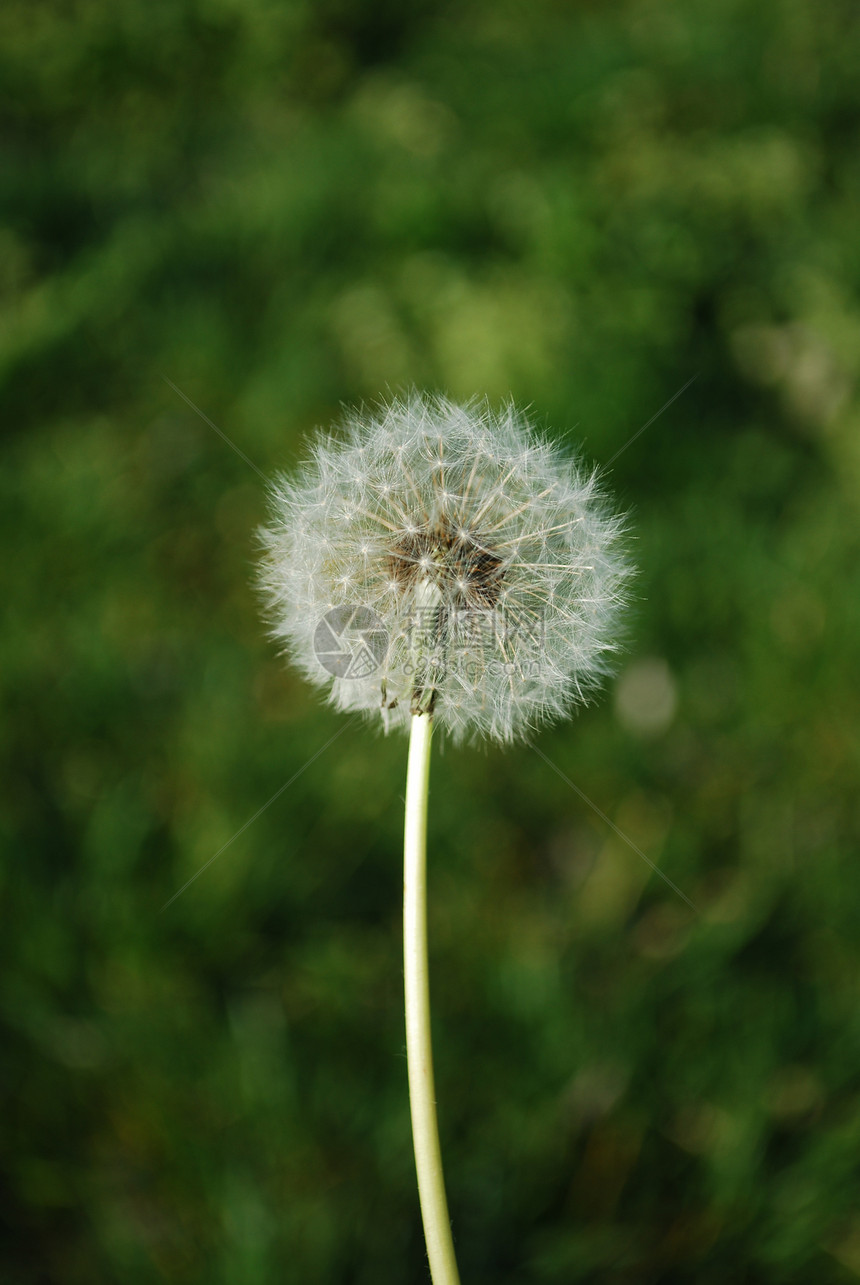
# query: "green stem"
419,1053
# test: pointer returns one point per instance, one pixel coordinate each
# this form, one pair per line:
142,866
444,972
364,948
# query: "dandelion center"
466,573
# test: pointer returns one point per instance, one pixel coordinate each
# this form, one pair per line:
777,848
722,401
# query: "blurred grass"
282,207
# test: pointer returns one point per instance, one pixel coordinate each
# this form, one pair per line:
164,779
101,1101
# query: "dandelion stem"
419,1053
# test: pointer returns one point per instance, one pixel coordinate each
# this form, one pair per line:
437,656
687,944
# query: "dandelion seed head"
489,560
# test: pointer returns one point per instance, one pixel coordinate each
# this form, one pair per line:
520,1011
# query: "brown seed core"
465,570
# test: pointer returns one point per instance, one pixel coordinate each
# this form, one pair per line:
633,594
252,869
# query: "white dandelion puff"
482,567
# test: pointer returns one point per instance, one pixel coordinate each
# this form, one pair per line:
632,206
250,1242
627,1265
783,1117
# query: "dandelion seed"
486,553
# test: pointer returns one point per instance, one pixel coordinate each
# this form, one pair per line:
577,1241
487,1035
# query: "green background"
286,207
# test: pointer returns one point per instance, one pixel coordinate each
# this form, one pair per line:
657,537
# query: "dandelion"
443,565
481,565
